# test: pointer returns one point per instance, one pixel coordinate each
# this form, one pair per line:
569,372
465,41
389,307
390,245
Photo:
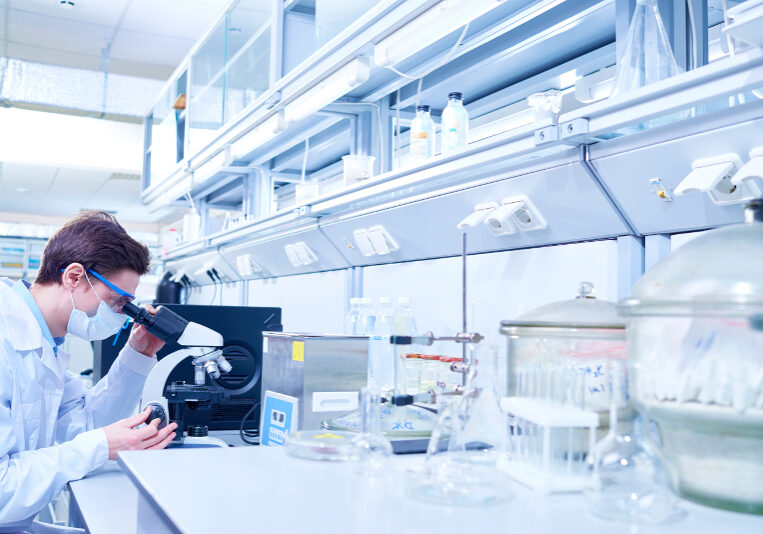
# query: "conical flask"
648,57
626,479
371,448
466,472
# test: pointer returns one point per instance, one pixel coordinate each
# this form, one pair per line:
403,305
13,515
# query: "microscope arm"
153,390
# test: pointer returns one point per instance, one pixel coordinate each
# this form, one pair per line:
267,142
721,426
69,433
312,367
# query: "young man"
52,429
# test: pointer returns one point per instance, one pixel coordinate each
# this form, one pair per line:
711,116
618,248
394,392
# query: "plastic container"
455,124
357,167
695,333
422,135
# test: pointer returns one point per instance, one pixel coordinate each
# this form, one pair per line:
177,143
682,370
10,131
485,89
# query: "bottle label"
419,135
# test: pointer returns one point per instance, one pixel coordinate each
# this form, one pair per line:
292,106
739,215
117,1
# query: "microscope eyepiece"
164,324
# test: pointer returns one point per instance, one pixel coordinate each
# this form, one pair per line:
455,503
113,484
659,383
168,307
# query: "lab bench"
263,489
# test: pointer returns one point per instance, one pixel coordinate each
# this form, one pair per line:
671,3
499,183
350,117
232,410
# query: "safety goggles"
116,303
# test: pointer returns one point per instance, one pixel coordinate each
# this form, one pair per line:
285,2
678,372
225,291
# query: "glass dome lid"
581,313
718,273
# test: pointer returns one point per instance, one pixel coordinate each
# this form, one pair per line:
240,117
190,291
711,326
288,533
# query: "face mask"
105,323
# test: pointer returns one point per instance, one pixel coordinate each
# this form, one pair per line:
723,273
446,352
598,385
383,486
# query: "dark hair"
97,241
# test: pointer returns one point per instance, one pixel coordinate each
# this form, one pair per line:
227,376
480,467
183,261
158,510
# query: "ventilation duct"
25,83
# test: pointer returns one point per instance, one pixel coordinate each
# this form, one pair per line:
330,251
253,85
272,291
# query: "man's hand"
121,435
142,341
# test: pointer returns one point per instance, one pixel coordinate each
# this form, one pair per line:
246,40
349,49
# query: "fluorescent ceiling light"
432,25
257,136
328,90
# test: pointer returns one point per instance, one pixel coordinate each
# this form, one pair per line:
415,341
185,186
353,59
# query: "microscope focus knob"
157,412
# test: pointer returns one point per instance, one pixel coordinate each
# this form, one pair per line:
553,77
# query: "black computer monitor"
241,328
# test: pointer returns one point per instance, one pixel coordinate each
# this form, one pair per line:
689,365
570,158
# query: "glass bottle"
371,449
381,354
422,134
626,481
455,124
352,319
366,318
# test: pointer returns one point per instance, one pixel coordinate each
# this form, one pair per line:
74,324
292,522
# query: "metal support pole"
656,247
630,263
276,42
463,296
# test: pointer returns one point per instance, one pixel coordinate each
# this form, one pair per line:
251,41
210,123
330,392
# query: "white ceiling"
64,192
148,38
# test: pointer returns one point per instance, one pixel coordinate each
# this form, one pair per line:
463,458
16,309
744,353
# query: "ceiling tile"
149,48
141,70
2,23
51,32
105,13
53,56
172,18
75,187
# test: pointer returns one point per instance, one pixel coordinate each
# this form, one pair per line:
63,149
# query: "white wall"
219,295
312,303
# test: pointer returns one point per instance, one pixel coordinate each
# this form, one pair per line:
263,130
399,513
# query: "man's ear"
72,276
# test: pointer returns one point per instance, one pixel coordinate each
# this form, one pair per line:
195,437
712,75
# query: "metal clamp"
575,132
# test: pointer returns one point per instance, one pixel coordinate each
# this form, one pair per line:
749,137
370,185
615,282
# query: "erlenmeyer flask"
371,449
648,57
483,425
626,480
466,472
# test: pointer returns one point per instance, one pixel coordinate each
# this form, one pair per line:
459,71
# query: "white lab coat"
50,423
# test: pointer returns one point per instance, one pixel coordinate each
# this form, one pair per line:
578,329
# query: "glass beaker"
626,480
357,167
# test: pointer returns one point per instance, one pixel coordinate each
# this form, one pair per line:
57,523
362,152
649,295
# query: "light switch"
246,265
291,252
305,253
363,242
382,242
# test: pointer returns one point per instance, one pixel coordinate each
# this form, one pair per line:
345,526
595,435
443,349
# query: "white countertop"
236,489
107,501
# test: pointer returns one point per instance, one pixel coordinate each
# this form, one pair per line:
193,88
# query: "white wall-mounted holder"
712,176
382,242
246,266
478,215
300,255
515,213
750,175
